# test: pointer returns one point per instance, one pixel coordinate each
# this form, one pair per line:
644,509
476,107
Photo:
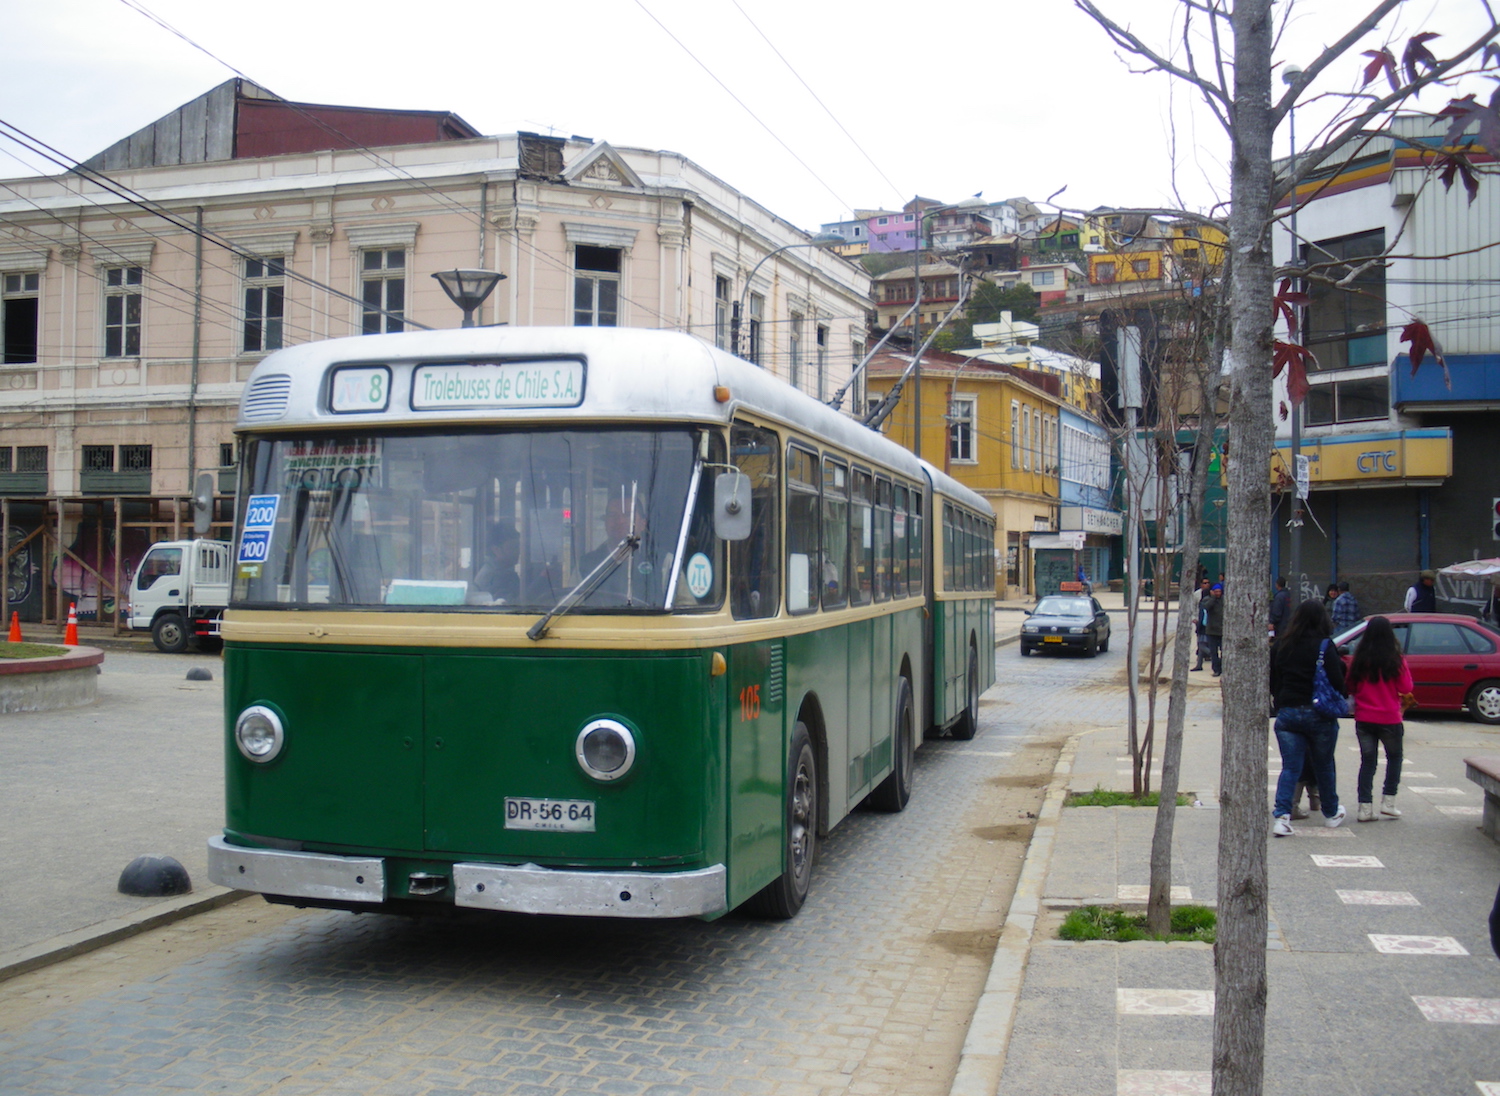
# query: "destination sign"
498,385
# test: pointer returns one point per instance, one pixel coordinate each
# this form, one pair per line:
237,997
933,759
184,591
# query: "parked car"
1066,623
1454,661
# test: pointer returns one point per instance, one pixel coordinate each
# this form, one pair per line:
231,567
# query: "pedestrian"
1422,596
1379,683
1302,730
1204,585
1330,597
1213,626
1281,608
1345,612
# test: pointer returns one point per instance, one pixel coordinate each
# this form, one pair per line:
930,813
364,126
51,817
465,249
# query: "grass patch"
1101,798
1099,923
30,650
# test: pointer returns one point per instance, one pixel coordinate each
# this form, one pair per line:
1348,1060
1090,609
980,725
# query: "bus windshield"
485,520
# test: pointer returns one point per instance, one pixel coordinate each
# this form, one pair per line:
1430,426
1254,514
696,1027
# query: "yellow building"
994,428
1198,245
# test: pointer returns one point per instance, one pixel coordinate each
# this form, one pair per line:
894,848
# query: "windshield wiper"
588,584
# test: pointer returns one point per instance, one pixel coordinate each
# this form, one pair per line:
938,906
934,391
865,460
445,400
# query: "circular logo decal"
700,575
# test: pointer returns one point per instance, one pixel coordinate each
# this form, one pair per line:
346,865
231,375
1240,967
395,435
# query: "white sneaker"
1388,806
1282,827
1367,812
1337,820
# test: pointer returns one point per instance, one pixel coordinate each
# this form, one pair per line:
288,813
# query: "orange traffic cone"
70,635
15,627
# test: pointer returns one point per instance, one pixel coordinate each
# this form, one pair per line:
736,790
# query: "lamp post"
822,240
468,289
1290,74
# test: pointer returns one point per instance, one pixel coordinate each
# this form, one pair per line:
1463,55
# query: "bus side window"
754,563
835,532
803,566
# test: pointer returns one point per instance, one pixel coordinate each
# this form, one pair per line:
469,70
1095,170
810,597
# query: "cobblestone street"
869,990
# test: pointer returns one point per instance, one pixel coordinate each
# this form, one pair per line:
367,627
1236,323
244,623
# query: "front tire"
1484,702
894,792
169,634
783,897
1091,647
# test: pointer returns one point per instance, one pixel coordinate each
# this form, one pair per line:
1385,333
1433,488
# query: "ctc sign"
1379,460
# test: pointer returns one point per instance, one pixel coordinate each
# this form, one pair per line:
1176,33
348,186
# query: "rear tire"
968,723
1484,702
783,897
894,792
169,634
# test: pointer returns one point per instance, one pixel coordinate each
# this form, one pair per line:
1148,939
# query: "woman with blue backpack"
1307,695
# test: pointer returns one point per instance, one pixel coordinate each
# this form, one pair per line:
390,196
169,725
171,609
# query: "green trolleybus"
577,621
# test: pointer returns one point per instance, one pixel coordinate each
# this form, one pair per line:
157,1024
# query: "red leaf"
1465,112
1294,359
1286,302
1419,335
1417,53
1456,164
1382,59
1285,414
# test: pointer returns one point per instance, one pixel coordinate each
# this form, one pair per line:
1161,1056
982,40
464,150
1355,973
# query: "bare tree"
1226,55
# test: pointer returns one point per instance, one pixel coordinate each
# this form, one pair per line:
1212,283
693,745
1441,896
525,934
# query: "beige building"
141,290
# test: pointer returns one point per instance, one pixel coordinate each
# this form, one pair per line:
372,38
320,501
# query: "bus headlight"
606,749
258,733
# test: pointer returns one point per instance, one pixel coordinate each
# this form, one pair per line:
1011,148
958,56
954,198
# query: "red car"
1454,661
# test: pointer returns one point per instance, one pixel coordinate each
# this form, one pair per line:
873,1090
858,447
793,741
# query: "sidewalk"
1380,972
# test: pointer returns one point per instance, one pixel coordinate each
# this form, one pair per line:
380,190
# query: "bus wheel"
894,792
783,897
169,634
968,722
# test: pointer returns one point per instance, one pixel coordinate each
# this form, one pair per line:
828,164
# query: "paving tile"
1391,944
1376,898
1164,1002
1462,812
1488,1088
1140,892
1435,791
1346,861
1459,1010
1164,1082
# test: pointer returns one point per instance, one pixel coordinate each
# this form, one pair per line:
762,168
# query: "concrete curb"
66,946
982,1060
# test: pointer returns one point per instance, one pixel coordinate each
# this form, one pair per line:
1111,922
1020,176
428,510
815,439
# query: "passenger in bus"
633,577
497,575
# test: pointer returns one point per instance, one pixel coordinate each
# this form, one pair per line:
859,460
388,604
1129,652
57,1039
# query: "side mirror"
732,506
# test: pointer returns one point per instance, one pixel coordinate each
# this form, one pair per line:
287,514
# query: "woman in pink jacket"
1378,678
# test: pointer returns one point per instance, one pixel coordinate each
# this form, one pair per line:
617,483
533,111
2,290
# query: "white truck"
179,593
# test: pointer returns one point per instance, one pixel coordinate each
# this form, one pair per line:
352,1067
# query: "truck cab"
179,593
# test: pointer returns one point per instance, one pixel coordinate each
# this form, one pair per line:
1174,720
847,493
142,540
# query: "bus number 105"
749,703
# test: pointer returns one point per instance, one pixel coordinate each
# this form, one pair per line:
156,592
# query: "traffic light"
1495,518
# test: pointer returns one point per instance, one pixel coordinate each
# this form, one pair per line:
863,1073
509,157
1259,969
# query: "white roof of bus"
632,374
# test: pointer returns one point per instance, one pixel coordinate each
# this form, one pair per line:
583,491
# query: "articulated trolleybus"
577,621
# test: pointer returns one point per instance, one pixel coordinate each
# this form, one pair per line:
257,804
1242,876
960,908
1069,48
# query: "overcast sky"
944,98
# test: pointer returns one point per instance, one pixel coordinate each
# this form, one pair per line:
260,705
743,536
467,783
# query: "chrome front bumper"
527,888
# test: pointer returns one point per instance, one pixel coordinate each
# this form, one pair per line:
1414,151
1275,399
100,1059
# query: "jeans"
1371,736
1302,733
1216,652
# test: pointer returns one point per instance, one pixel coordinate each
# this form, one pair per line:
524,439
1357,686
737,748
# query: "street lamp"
823,240
468,289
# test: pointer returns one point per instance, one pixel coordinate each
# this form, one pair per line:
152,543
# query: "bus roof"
629,375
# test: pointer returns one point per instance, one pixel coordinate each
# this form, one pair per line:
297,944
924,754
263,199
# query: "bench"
1484,770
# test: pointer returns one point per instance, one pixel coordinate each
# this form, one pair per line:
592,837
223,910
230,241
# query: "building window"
384,291
98,458
721,313
27,458
757,312
18,317
265,302
1043,277
1015,434
1026,439
1104,272
1346,326
822,335
596,286
1349,401
122,311
135,458
226,454
795,348
961,430
885,220
1141,266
